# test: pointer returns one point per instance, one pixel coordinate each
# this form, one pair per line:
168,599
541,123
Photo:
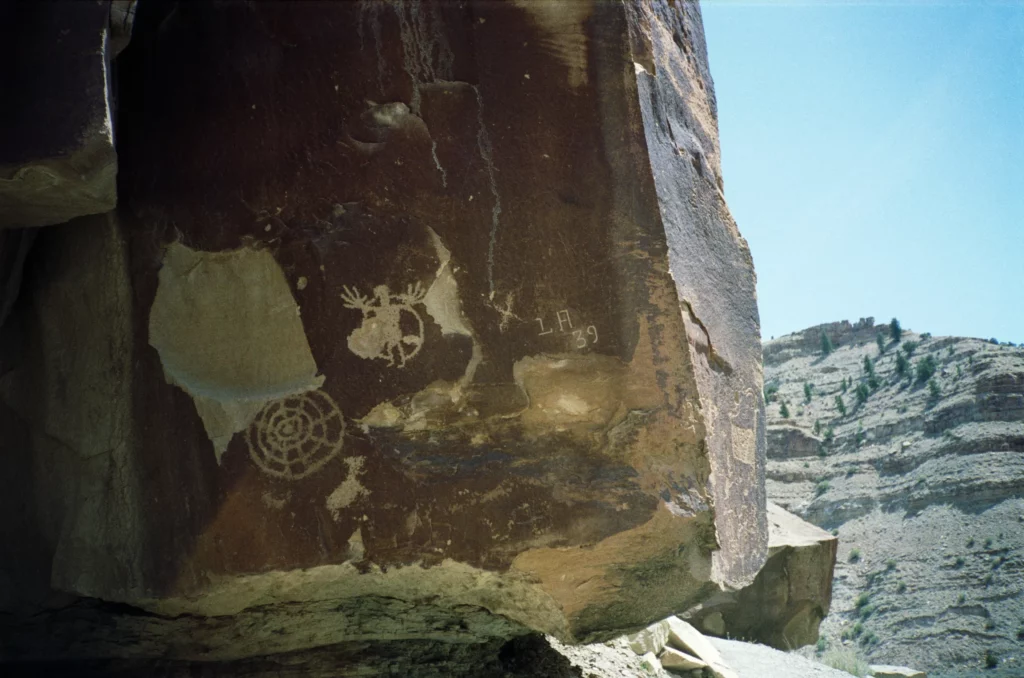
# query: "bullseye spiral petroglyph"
294,437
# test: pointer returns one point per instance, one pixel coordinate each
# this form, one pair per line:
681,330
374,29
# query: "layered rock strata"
923,486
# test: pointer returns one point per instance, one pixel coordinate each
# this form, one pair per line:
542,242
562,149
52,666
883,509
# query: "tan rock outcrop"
790,596
411,313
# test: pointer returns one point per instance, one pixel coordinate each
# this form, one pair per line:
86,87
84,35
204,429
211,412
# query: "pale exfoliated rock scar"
229,333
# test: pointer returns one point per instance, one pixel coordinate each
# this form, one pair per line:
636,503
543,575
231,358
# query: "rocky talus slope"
925,490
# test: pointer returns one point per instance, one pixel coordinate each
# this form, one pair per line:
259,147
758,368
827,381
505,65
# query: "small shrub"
817,427
988,542
993,340
866,611
869,367
862,600
909,347
987,579
901,587
835,532
895,331
990,624
841,406
890,565
845,385
807,465
859,437
822,644
830,435
1020,633
925,336
959,562
934,392
873,383
855,556
862,393
826,344
783,411
808,391
925,368
880,340
858,629
991,659
961,599
970,543
770,391
959,372
821,488
846,659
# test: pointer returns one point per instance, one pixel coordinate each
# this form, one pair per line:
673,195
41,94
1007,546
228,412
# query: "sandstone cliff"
923,485
418,327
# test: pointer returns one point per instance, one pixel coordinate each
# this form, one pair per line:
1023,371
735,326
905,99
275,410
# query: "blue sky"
873,157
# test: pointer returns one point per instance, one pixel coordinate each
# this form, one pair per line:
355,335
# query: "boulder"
790,596
416,322
57,160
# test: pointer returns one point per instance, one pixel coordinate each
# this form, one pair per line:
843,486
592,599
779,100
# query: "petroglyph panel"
420,306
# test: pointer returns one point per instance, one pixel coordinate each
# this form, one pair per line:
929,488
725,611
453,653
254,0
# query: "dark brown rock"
57,158
432,304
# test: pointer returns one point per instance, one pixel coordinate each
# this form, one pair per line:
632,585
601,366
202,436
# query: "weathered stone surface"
791,594
411,313
680,661
711,266
786,442
685,637
651,639
57,158
889,671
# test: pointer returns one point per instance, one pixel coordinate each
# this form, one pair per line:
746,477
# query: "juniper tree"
901,364
784,411
862,393
826,344
840,405
895,331
808,391
880,340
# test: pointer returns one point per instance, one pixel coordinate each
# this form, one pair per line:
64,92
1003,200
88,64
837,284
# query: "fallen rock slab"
680,661
889,671
651,639
683,636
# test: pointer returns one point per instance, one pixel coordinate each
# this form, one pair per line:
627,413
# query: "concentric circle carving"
294,437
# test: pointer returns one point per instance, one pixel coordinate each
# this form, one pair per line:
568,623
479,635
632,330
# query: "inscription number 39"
582,340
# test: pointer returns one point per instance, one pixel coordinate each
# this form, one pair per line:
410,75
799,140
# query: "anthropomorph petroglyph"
392,329
295,436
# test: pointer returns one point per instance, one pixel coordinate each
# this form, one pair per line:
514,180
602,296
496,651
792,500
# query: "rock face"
791,594
57,158
416,321
924,493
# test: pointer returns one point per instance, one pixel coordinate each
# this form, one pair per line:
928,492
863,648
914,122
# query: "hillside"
924,486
